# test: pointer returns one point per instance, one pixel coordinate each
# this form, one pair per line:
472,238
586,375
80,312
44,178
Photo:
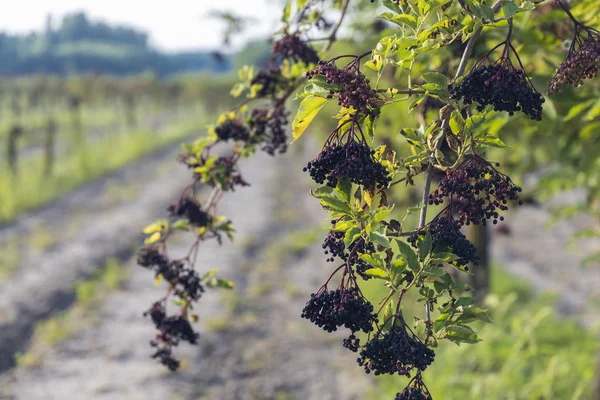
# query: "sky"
173,25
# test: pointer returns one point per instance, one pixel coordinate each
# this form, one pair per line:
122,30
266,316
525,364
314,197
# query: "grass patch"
528,353
31,189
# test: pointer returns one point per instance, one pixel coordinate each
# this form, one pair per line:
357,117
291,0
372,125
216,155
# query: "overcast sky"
172,24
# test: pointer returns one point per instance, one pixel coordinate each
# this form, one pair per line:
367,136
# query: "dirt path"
87,229
254,344
249,350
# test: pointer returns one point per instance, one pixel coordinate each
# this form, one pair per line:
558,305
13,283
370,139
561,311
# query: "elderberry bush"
352,160
476,191
354,88
501,86
396,351
342,307
579,65
445,233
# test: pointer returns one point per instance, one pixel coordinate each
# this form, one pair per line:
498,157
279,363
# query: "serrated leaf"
368,197
307,111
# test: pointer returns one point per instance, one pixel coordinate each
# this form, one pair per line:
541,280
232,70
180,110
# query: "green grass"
528,353
31,188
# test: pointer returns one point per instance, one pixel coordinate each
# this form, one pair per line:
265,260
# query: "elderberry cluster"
477,191
342,307
352,160
225,171
191,210
580,65
413,393
233,130
269,81
269,126
334,247
445,233
171,331
293,48
354,89
393,352
503,87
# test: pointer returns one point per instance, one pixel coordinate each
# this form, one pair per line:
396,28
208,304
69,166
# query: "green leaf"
473,313
382,213
371,260
487,12
376,273
491,141
182,224
436,78
308,110
440,322
333,204
351,236
344,187
210,274
407,252
379,238
424,244
400,19
472,124
461,334
509,9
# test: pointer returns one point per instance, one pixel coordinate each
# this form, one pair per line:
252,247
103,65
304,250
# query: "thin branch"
332,36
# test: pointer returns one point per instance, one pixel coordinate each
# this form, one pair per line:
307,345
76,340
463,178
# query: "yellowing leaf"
308,110
158,279
157,226
153,239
